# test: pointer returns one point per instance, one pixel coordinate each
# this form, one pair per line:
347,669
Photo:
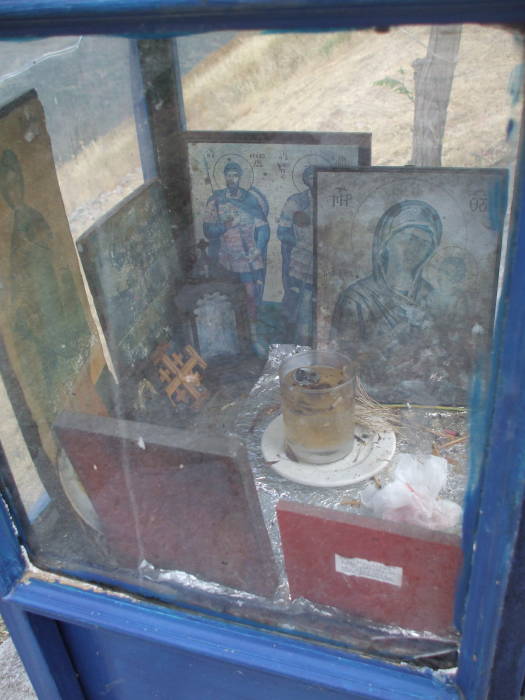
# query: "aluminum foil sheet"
247,418
418,436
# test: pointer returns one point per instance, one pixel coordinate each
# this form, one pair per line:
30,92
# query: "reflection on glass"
308,230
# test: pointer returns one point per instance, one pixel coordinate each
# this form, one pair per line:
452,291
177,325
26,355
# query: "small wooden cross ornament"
181,376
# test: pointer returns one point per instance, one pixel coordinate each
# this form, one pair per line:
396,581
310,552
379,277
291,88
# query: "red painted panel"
376,555
163,499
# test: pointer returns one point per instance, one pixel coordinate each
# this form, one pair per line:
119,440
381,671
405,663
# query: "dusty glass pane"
145,325
84,85
356,81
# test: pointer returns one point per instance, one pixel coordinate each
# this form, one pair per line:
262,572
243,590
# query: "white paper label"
375,570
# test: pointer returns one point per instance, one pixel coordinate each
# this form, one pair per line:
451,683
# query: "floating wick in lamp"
317,397
319,439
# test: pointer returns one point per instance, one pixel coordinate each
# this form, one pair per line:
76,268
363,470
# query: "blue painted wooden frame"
230,643
12,564
495,502
500,493
156,18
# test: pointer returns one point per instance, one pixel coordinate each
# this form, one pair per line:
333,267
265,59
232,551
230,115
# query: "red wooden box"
385,571
174,498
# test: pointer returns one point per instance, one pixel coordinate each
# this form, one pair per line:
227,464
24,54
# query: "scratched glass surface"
347,191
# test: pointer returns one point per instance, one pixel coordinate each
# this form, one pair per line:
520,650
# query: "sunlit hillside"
327,82
319,82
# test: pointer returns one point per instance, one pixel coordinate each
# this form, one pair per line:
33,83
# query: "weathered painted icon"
252,200
236,224
132,267
48,324
406,275
48,336
405,238
50,355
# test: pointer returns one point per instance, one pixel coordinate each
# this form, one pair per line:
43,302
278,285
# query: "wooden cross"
182,379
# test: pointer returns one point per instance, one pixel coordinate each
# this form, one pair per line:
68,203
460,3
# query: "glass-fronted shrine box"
181,220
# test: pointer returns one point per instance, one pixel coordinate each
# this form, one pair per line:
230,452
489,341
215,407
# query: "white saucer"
370,454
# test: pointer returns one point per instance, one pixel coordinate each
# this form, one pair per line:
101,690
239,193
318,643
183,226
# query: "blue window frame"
42,614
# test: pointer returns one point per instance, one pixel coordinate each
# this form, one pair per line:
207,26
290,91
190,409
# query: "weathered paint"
161,18
478,424
502,484
498,196
333,673
11,561
42,648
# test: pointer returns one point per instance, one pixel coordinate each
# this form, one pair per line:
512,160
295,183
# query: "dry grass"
100,176
242,81
317,82
325,82
373,415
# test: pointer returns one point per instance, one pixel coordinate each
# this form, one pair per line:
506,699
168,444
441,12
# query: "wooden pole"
433,77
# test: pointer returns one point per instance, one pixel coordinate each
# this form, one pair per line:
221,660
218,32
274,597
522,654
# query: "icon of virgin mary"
385,320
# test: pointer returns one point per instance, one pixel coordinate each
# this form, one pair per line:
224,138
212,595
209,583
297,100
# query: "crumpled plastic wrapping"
254,413
413,494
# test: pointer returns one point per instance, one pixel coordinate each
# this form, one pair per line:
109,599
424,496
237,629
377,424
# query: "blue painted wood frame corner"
11,561
334,673
502,483
42,649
